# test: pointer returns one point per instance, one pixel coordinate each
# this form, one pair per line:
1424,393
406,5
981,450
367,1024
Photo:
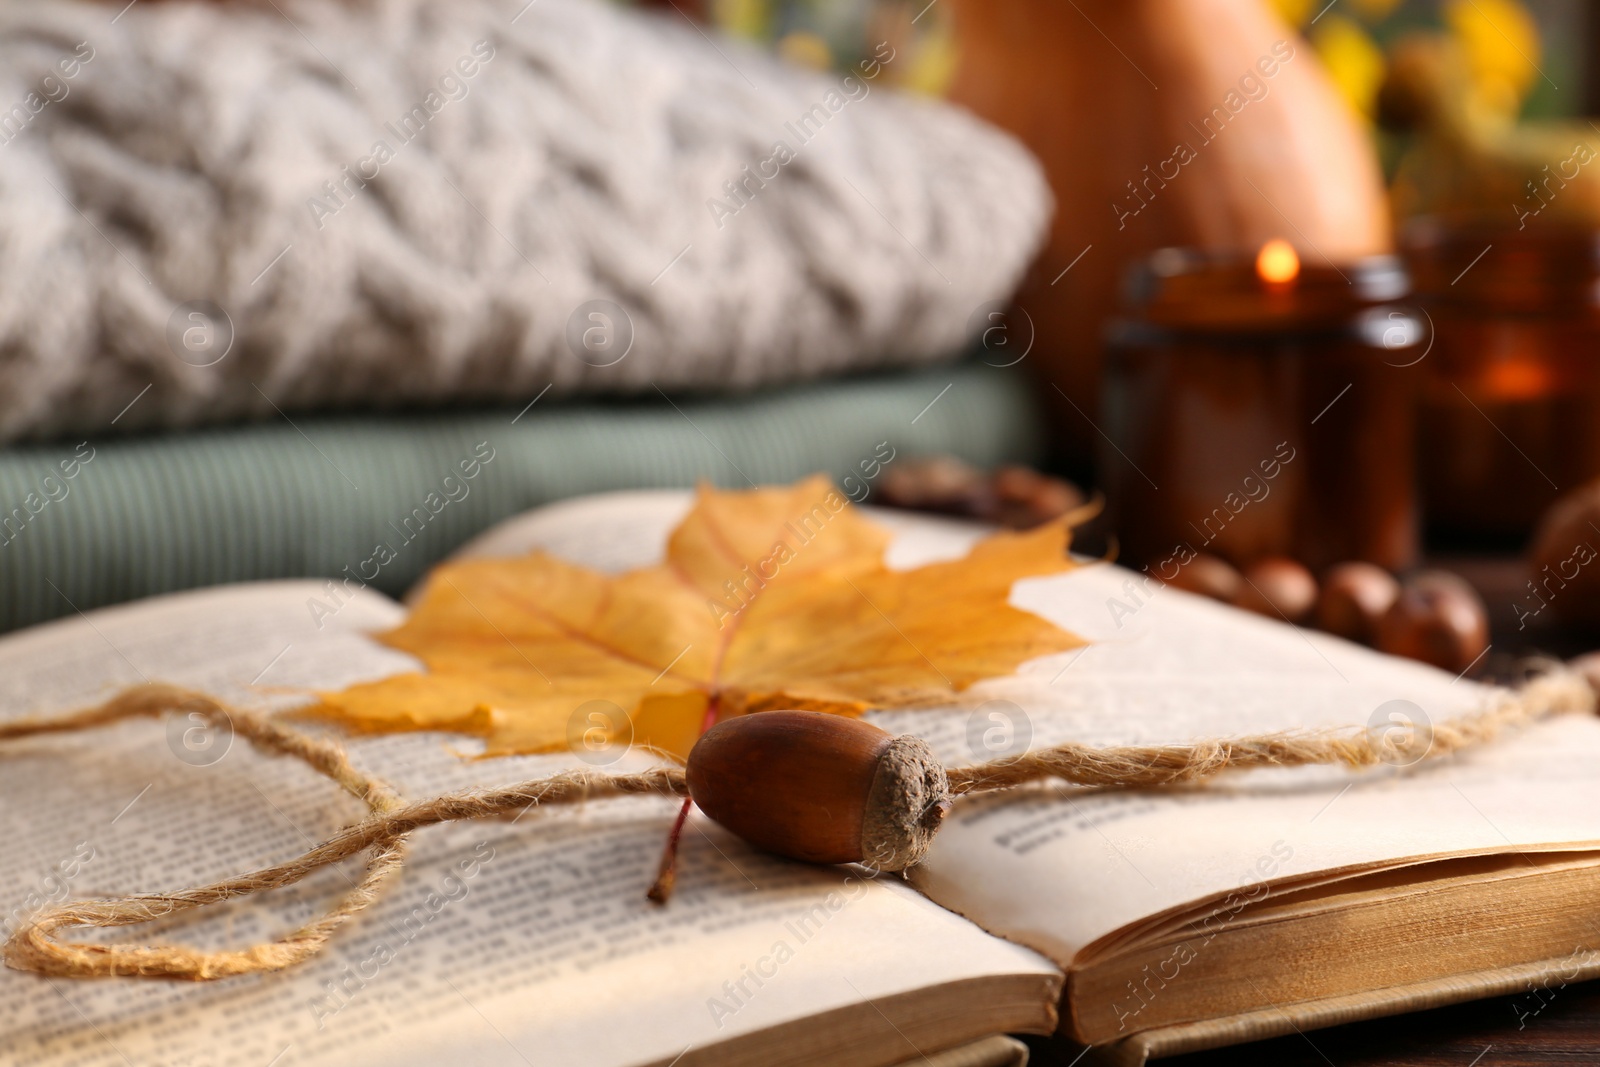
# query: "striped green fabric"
121,518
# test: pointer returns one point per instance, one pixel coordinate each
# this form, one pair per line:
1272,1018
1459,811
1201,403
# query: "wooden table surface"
1509,1031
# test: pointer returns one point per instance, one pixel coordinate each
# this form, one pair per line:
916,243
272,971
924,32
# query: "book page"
1184,668
1062,870
611,532
500,943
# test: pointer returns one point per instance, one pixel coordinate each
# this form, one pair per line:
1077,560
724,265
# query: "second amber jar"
1511,402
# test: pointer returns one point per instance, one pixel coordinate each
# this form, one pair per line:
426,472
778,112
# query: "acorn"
821,788
1588,665
1562,559
1439,619
1278,587
1355,596
936,483
1210,576
1024,498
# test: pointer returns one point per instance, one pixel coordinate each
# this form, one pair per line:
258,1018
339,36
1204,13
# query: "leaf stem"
667,873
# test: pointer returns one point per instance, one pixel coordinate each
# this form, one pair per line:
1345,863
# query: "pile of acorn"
1433,616
1018,497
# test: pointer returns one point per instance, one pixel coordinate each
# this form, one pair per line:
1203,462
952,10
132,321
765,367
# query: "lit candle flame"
1277,263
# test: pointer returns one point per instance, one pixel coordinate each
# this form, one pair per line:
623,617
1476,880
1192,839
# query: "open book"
1143,923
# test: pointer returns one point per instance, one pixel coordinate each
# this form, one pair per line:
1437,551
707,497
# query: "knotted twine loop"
35,946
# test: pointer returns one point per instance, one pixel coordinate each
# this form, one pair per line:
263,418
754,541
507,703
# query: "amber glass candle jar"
1260,406
1511,396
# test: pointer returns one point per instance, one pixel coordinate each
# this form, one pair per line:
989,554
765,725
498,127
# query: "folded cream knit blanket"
305,203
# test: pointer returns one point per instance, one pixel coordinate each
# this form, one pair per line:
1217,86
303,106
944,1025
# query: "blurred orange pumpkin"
1162,122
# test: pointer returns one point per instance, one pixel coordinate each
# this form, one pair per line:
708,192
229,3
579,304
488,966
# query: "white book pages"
500,944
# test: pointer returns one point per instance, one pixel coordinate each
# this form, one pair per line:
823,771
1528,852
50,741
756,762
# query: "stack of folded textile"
274,274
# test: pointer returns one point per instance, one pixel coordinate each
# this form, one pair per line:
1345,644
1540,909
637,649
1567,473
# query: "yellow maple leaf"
772,598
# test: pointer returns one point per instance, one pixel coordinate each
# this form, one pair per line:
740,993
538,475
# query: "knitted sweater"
212,211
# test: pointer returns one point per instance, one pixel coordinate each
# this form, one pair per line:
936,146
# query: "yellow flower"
1501,43
933,64
806,49
742,18
1355,63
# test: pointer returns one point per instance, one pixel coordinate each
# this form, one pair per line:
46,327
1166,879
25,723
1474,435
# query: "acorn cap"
907,804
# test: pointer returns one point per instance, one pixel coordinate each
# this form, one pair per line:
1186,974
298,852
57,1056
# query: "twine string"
382,834
1553,692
